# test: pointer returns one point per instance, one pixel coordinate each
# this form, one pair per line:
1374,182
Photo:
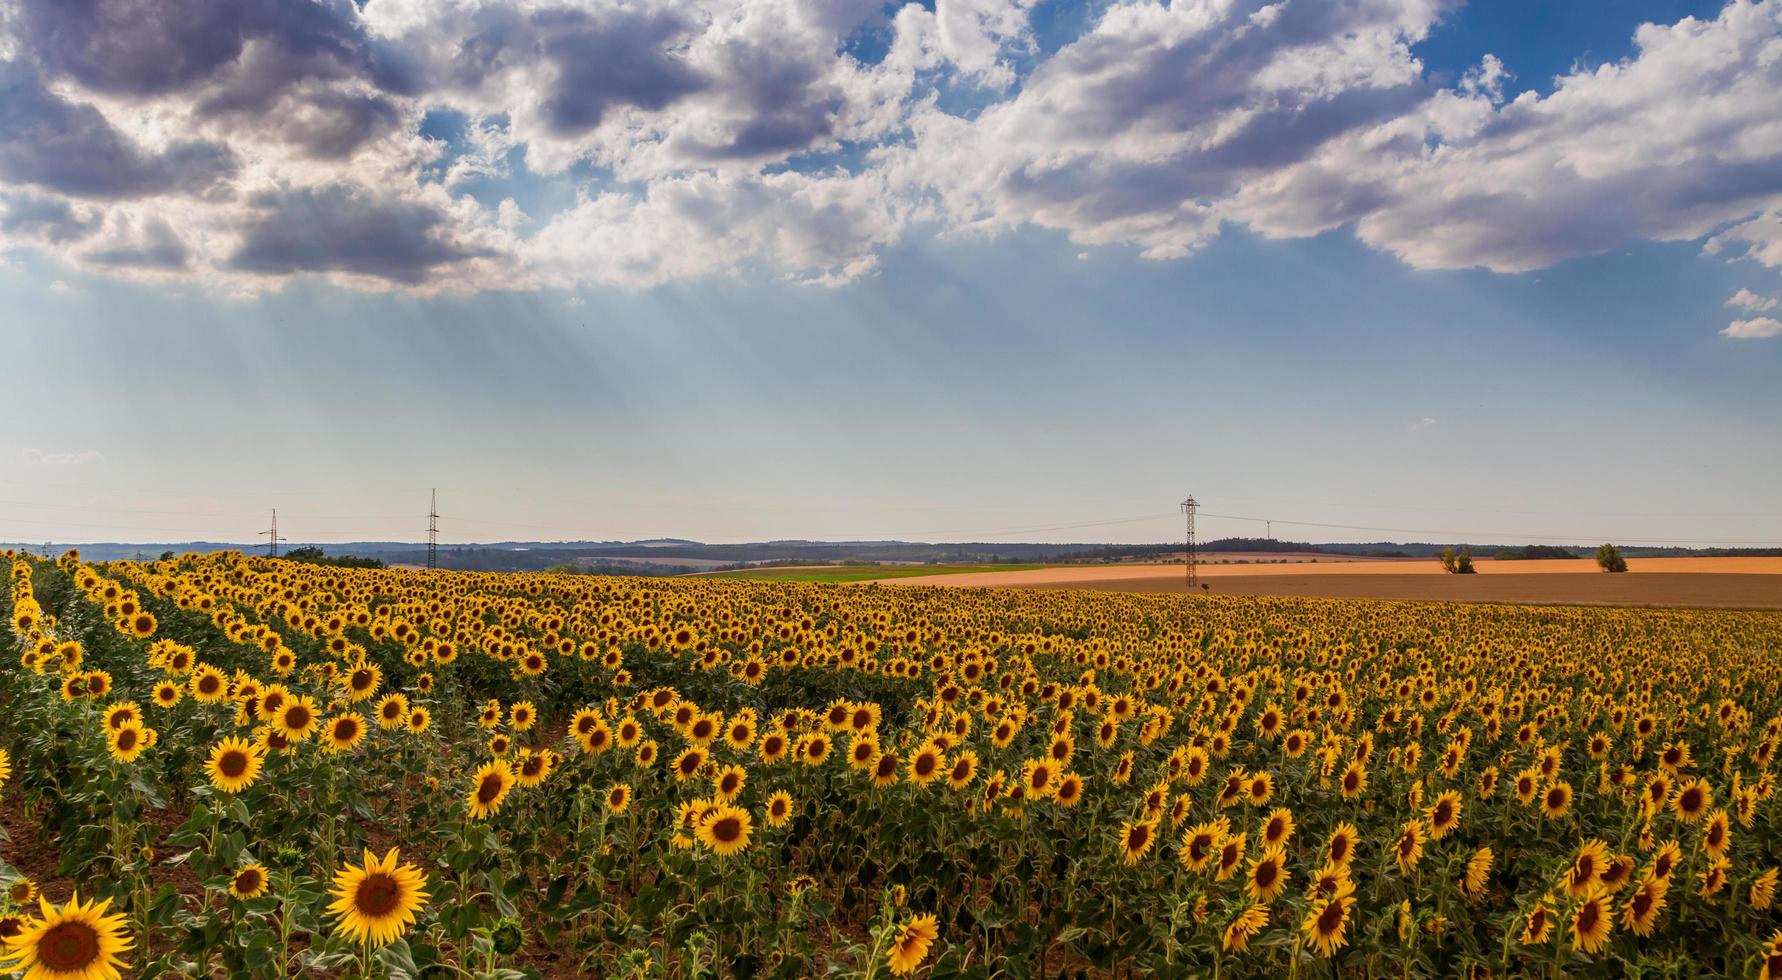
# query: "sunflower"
1557,800
1039,779
884,771
522,715
208,684
1340,849
419,718
1538,925
1763,890
1136,838
1712,878
1279,828
779,809
167,694
1444,815
489,787
71,942
686,765
1328,918
1640,915
1478,873
1231,856
618,798
725,829
122,713
234,765
645,754
1070,790
392,710
1199,843
298,718
1717,835
1408,849
1248,923
962,770
1592,921
1354,780
248,882
1665,861
1693,800
376,902
910,946
342,733
1268,875
126,744
729,781
1586,868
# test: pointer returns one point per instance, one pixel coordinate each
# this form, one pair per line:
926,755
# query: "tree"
1608,558
1457,562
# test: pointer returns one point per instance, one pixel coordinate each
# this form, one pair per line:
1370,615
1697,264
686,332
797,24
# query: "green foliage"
1608,558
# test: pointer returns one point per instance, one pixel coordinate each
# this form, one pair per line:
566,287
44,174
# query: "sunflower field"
231,766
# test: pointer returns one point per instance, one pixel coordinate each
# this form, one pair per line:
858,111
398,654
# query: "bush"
1608,557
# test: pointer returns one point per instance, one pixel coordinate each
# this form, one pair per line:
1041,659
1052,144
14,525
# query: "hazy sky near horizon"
1000,270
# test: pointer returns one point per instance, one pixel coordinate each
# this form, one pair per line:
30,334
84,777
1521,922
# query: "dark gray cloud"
349,229
71,147
143,48
158,248
614,58
781,105
45,219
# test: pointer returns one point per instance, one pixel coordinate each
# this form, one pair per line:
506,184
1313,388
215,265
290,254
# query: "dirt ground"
1713,582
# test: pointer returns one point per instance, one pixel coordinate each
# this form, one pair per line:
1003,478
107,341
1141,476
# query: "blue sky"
1011,280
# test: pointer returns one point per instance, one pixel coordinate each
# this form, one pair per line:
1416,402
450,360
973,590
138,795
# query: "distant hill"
669,556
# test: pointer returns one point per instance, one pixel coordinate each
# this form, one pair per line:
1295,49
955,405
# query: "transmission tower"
1191,558
271,536
433,532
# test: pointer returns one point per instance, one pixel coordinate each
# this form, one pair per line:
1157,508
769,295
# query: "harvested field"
1709,582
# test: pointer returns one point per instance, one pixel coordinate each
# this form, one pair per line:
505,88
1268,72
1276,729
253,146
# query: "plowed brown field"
1717,582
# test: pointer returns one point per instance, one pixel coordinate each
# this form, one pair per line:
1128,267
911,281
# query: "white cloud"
1754,328
35,457
1745,299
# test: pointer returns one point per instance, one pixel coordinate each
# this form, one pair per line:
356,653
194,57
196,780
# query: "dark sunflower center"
377,896
1587,916
1265,874
126,739
248,881
1331,918
232,764
925,765
488,789
297,716
68,946
726,829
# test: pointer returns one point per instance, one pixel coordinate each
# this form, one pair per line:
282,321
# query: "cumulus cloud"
250,141
1745,299
1754,328
357,232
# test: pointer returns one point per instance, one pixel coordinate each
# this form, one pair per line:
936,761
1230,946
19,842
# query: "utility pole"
1191,559
433,532
271,536
1270,525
